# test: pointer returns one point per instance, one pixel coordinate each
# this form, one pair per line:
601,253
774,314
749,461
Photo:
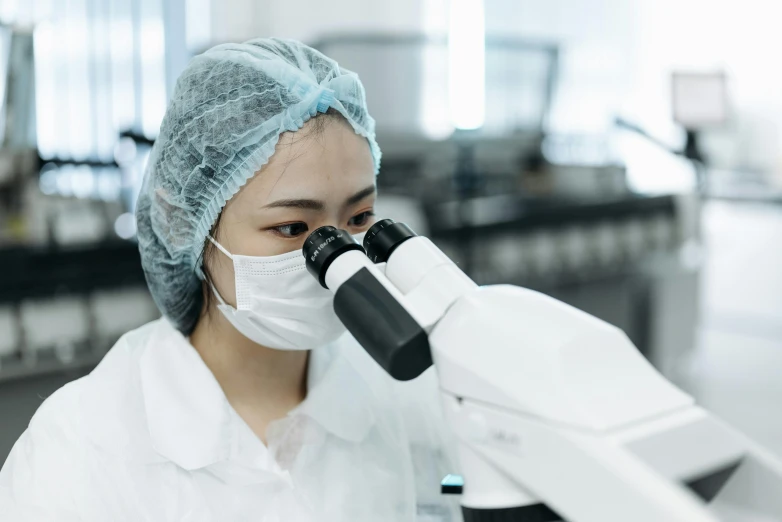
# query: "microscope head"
367,303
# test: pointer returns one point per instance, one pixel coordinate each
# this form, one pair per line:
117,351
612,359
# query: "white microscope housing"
557,414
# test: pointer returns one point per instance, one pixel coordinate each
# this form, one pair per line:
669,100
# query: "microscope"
557,415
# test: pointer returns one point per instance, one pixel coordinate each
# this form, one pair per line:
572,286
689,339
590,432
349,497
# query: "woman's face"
313,179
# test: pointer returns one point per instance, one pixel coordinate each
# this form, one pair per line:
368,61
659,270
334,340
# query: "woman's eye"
361,219
291,230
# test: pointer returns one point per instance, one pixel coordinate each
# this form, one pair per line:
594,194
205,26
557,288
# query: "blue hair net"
227,112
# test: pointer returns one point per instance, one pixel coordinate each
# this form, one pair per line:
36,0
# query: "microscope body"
556,413
561,418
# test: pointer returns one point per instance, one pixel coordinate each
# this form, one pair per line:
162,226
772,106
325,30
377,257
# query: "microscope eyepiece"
383,237
323,246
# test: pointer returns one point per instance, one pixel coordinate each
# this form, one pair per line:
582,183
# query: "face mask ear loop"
220,247
217,294
227,253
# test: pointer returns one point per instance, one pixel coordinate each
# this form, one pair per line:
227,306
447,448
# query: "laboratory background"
623,156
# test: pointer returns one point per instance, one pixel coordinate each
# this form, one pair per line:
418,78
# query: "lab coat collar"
192,423
338,397
187,413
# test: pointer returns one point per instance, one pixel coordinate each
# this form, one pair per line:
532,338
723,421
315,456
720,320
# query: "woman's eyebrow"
314,204
361,194
305,204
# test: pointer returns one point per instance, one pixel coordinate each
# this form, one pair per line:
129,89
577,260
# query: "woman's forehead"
331,164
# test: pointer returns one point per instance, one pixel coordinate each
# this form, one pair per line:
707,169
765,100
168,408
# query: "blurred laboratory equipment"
73,281
701,107
700,101
18,155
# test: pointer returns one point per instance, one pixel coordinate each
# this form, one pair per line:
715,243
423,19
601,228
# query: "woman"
246,401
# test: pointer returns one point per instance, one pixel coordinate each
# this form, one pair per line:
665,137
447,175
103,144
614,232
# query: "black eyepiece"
383,237
323,246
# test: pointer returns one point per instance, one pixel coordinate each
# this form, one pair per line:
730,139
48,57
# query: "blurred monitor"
699,99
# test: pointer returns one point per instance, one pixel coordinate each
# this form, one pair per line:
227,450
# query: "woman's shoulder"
58,415
40,476
80,439
97,405
73,411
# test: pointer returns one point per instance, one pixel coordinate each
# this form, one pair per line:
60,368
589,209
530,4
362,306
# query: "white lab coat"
150,436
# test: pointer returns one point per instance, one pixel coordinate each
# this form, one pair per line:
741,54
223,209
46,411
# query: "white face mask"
278,302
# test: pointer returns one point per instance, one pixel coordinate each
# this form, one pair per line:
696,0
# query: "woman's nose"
331,222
